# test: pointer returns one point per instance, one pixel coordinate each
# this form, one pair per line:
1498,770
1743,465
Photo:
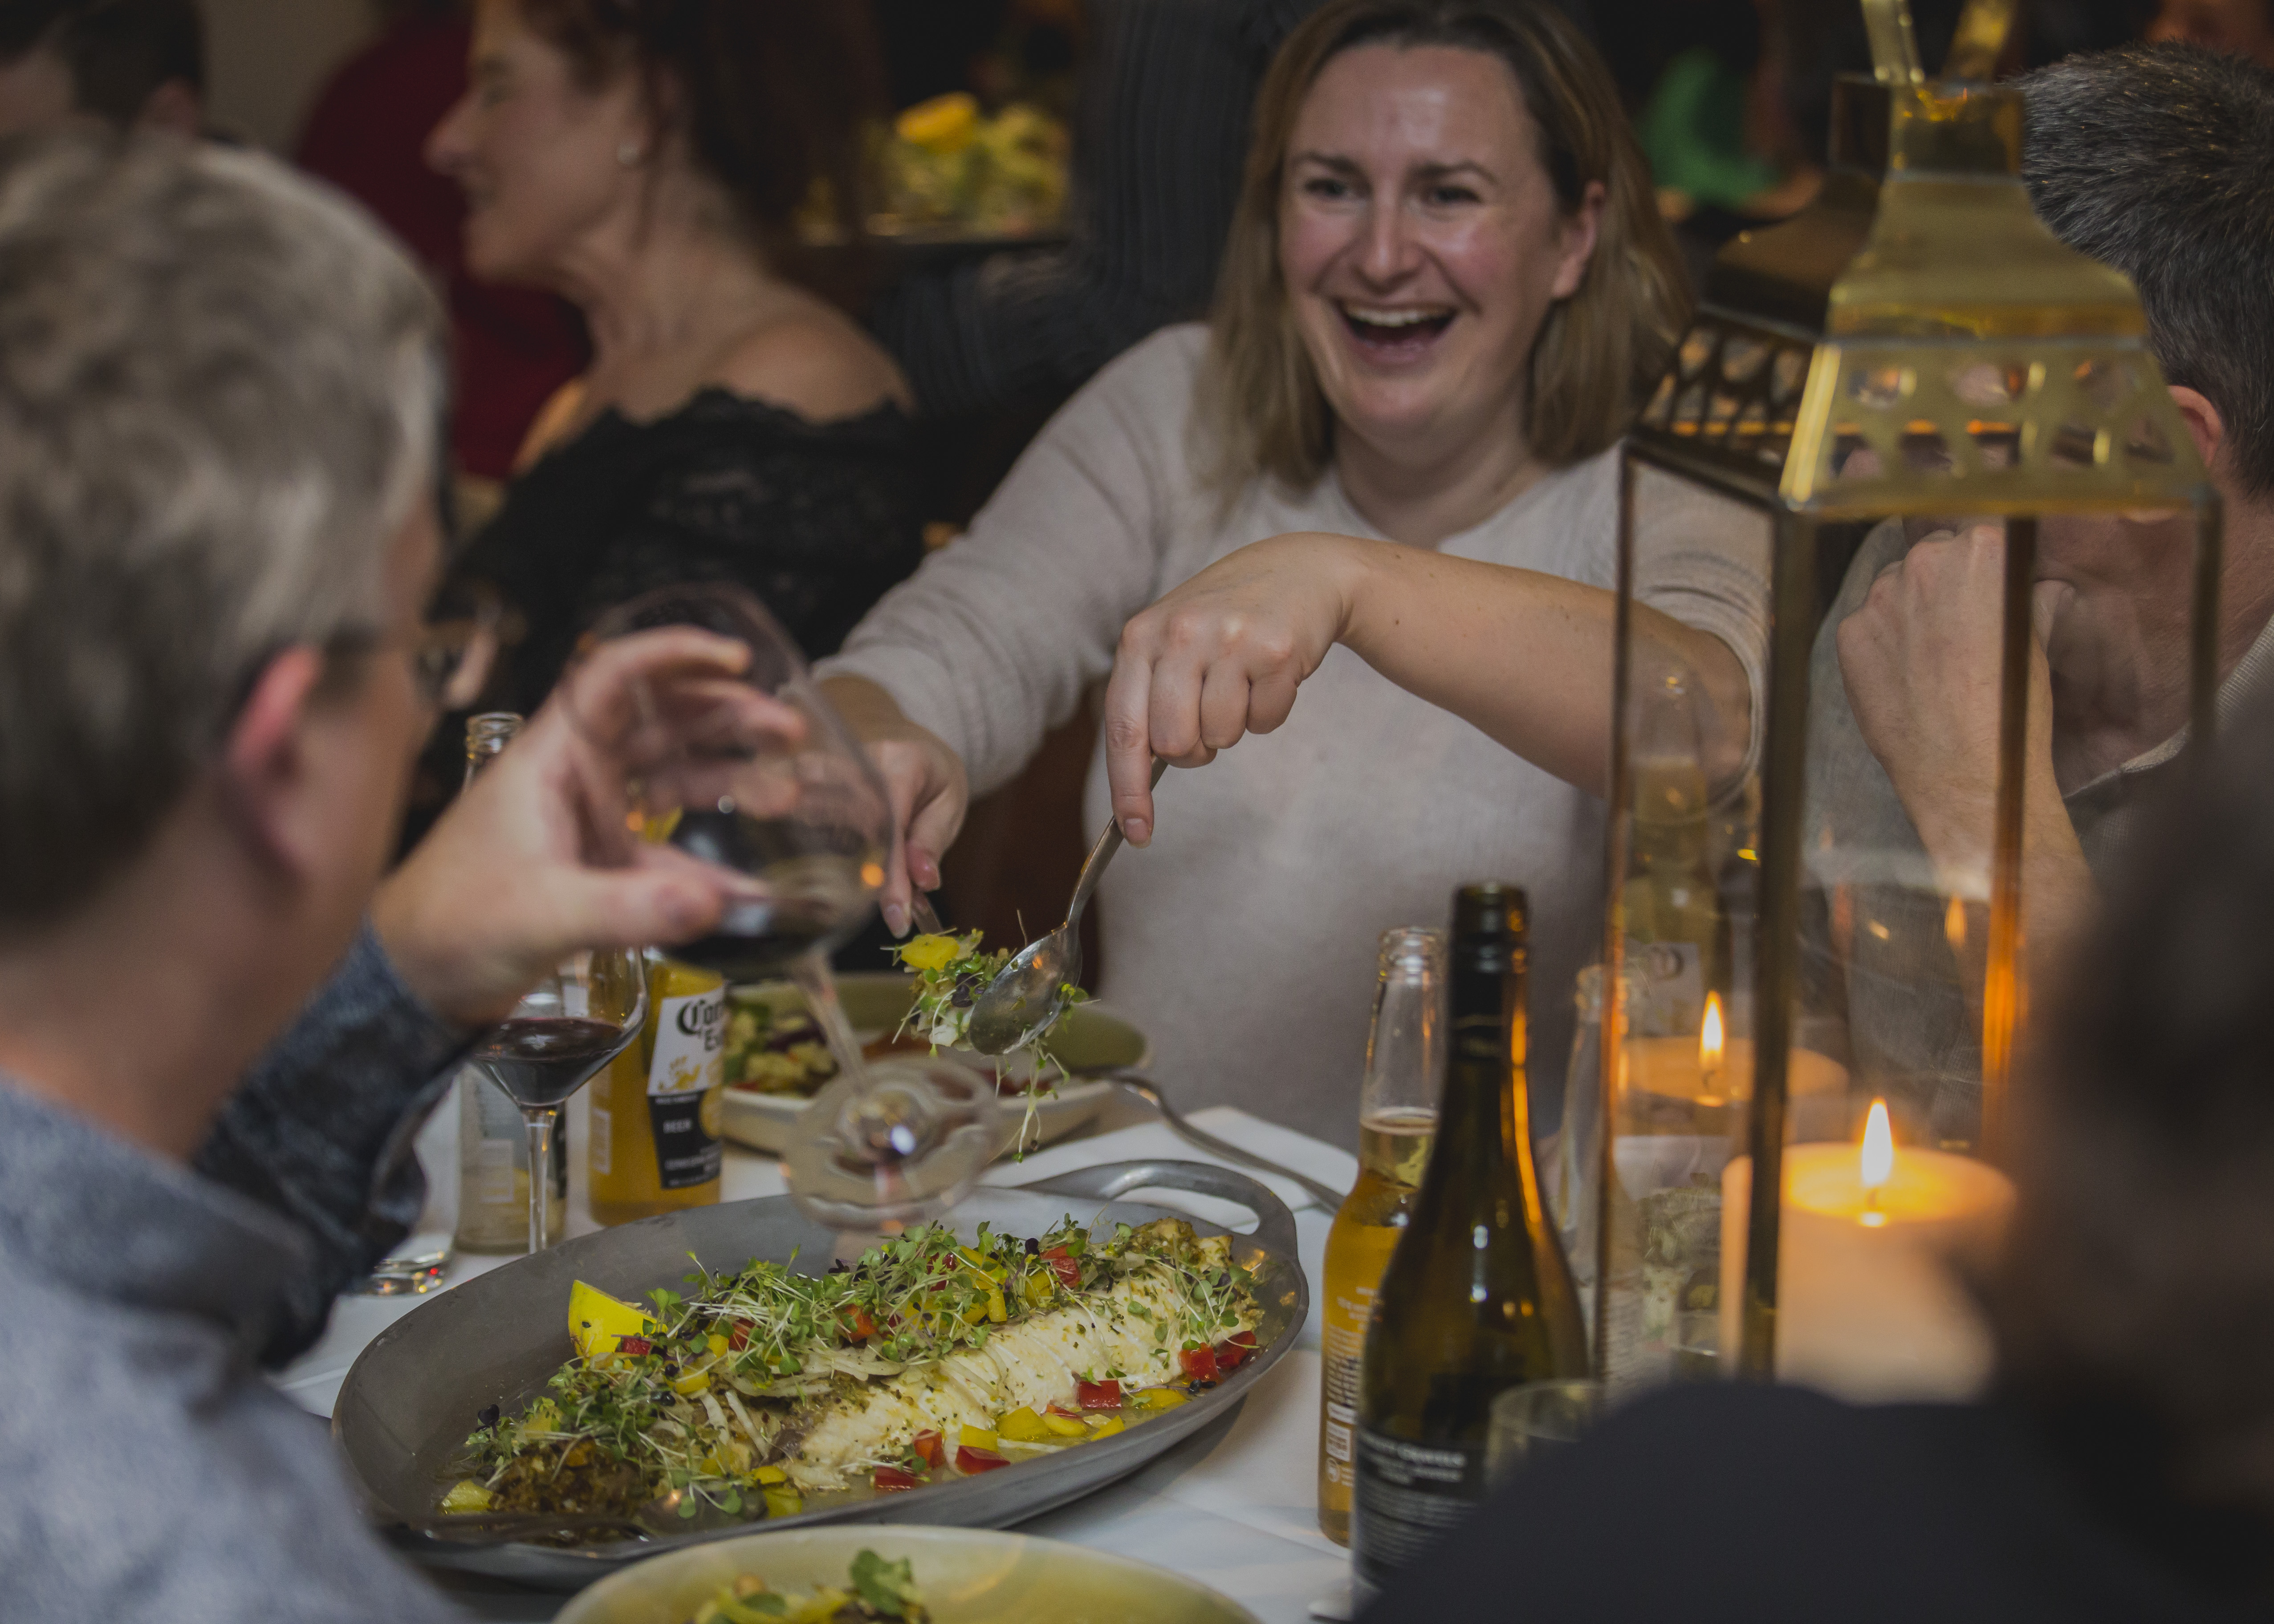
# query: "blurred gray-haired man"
220,396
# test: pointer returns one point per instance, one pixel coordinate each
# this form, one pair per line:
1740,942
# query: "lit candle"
1867,1307
1709,1052
1709,1071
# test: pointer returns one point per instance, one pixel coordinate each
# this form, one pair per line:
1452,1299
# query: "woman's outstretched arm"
1526,657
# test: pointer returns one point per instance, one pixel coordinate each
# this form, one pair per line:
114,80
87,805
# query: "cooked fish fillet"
1031,1364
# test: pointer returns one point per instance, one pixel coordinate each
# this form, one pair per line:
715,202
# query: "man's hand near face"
533,861
1920,660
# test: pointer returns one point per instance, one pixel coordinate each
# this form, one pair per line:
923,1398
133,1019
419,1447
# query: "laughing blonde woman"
1446,292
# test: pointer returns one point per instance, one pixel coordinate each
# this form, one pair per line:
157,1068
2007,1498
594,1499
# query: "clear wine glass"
562,1032
759,777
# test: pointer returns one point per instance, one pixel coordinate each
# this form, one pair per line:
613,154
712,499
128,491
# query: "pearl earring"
630,154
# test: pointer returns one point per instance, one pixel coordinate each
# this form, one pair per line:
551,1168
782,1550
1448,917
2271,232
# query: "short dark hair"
2159,161
118,51
773,96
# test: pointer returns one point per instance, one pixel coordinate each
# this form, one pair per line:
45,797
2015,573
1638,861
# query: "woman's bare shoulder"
555,421
814,361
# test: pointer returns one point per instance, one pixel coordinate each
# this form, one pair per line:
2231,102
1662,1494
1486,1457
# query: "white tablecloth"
1234,1507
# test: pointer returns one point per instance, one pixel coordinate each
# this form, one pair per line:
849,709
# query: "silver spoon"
1028,995
1132,1082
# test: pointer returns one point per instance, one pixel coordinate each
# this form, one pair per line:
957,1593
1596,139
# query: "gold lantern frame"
1913,344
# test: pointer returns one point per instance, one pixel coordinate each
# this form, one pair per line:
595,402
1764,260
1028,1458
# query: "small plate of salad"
776,1061
896,1574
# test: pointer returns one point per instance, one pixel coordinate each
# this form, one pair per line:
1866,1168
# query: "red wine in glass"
566,1029
540,1061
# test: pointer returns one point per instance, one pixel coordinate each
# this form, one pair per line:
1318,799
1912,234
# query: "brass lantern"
1805,1054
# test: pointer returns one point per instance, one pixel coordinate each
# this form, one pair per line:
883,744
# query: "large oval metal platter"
410,1401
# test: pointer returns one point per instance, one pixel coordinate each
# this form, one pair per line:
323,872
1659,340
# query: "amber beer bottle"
1396,1120
1478,1297
656,1110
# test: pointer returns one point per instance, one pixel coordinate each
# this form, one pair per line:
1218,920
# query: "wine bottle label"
1408,1495
690,1038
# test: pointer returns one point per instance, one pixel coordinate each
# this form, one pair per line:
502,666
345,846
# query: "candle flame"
1878,1157
1709,1039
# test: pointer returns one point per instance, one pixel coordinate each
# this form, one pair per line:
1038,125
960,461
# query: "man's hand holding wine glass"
537,859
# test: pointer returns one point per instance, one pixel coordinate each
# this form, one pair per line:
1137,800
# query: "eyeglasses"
450,655
450,659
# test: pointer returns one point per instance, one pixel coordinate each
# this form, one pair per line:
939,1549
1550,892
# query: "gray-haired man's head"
220,393
2159,160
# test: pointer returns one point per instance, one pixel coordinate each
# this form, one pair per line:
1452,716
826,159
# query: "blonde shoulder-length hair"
1599,352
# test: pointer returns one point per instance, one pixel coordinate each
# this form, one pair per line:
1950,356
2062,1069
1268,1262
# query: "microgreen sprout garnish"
718,1402
950,973
879,1591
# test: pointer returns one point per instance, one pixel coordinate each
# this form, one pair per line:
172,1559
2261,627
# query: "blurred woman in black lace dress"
647,159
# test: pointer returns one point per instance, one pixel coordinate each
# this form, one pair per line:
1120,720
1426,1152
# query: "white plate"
965,1576
1088,1038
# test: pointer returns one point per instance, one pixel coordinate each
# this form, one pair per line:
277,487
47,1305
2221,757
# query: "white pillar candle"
1867,1306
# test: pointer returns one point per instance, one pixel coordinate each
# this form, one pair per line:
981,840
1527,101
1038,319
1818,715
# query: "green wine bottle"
1478,1297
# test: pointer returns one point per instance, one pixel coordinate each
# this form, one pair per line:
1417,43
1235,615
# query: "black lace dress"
816,519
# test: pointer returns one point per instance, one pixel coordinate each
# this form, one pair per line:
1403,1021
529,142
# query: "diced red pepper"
859,1327
739,1338
1235,1352
1199,1364
634,1345
893,1480
928,1445
1064,1267
1097,1394
970,1461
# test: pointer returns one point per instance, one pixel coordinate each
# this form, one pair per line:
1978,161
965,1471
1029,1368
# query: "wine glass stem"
540,1120
812,973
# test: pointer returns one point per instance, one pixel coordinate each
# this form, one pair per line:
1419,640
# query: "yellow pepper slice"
692,1383
716,1343
929,952
782,1502
998,1309
772,1475
1155,1398
975,1438
1065,1426
944,125
598,1322
467,1496
1023,1426
1107,1426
